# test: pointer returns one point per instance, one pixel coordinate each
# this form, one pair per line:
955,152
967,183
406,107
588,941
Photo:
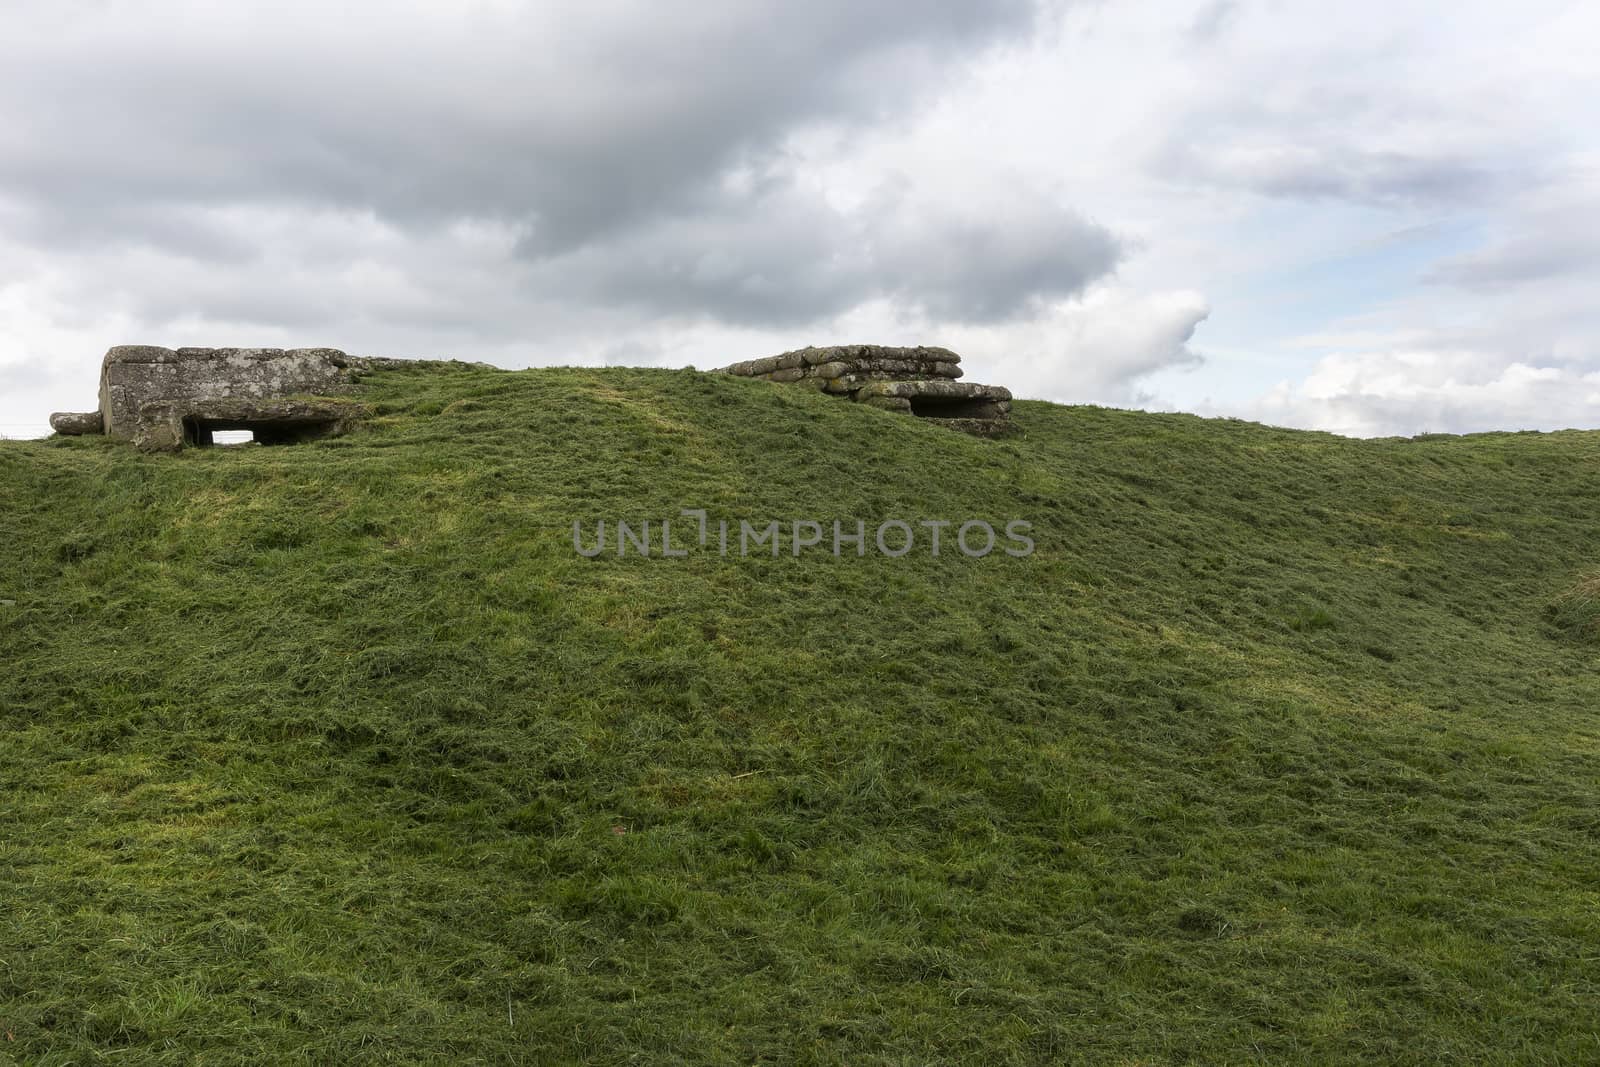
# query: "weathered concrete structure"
916,381
163,398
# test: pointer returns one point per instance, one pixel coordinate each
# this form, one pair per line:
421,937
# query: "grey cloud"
602,142
1364,145
1212,20
1293,165
1555,248
1018,254
783,257
30,374
572,124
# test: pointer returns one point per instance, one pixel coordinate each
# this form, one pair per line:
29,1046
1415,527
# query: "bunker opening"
955,407
203,432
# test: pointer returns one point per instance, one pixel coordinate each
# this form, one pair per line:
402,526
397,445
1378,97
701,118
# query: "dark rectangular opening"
200,431
953,407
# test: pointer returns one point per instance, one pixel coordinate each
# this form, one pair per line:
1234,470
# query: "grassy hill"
1280,747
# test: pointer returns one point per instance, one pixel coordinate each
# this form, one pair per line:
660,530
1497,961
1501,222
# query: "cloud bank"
1362,219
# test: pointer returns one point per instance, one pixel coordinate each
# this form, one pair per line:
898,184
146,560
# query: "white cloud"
1366,217
1504,336
1549,232
1407,392
1097,349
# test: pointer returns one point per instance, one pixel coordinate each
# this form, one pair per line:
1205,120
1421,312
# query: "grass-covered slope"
1280,747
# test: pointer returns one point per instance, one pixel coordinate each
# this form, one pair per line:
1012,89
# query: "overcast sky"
1372,217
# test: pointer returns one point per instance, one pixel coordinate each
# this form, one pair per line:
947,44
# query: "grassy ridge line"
1273,750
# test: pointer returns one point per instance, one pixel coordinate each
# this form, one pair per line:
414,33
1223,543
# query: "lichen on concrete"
164,398
918,381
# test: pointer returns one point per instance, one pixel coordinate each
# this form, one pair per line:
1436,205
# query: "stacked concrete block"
917,381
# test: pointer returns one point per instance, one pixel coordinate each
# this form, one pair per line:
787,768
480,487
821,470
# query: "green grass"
1282,747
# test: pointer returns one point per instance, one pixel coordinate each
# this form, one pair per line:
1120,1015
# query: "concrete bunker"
913,381
164,399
